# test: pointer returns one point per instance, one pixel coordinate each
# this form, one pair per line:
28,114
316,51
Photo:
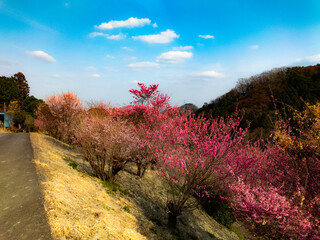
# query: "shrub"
126,209
219,209
73,164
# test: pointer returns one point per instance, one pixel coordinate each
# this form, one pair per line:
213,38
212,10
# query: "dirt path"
22,215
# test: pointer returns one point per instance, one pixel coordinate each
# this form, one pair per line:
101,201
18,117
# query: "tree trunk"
172,221
141,169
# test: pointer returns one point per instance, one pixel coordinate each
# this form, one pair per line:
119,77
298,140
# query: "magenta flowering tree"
273,214
268,195
148,111
191,152
283,198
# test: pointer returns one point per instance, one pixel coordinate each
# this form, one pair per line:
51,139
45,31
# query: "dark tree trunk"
172,221
141,169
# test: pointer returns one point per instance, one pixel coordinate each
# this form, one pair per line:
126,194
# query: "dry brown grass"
78,207
4,130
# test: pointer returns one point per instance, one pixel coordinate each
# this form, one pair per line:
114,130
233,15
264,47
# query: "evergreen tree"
23,86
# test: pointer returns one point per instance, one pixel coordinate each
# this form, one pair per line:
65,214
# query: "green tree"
23,86
9,90
30,105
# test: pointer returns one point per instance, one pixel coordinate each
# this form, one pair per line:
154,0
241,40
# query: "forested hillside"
259,96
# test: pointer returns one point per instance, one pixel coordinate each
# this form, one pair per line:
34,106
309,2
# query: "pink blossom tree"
190,153
270,193
148,111
108,145
61,115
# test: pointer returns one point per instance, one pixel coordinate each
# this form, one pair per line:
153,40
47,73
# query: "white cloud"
128,49
206,36
254,47
95,34
95,75
129,23
174,56
43,56
164,37
310,59
139,65
117,37
200,44
108,36
209,74
90,68
155,25
183,48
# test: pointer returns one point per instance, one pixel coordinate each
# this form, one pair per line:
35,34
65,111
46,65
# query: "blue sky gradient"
195,50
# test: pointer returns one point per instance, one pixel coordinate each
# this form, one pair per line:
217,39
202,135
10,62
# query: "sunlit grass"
77,205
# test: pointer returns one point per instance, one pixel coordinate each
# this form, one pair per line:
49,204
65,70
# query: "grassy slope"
79,207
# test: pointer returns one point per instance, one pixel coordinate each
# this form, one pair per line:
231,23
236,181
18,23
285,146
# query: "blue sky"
195,50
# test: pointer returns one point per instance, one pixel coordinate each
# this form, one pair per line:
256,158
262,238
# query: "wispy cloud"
108,36
20,17
43,56
129,23
140,65
163,37
109,56
310,59
96,34
206,36
208,74
56,75
174,56
117,37
183,48
96,75
127,49
254,47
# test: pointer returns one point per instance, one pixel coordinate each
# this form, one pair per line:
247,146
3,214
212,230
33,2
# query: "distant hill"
189,106
258,96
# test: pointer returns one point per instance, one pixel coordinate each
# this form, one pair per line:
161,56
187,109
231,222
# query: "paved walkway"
22,215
